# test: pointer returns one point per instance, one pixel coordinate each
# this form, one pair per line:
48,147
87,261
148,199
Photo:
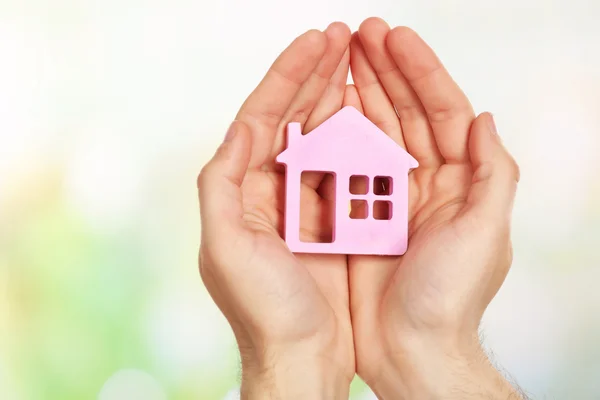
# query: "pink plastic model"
351,148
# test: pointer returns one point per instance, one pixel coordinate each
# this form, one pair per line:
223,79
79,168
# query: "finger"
416,131
330,103
377,106
328,98
495,174
338,37
332,99
219,186
352,98
323,93
266,106
448,109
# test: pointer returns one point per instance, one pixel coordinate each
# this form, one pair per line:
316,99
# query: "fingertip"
400,32
480,140
338,40
238,132
373,33
231,158
495,173
338,30
486,115
373,25
485,146
314,41
398,37
484,123
242,136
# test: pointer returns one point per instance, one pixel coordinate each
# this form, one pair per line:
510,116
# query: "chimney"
294,133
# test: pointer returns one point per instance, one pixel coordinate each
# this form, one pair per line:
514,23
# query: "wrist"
293,372
434,370
296,378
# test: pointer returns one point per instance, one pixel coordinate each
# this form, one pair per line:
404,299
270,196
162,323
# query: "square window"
382,185
359,209
359,184
382,210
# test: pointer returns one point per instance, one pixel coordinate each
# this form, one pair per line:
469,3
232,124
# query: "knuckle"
442,114
448,112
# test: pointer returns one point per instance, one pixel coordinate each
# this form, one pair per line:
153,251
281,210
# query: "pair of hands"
408,325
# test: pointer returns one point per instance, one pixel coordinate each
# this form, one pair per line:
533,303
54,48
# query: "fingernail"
492,125
230,133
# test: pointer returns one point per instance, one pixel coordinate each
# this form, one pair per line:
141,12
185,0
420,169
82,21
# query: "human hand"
289,312
416,317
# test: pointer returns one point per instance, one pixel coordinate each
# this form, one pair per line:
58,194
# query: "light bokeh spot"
128,384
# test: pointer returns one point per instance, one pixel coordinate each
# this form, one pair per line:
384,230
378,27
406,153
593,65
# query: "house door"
317,207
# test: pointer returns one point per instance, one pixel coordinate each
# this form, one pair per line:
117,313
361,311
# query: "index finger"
265,107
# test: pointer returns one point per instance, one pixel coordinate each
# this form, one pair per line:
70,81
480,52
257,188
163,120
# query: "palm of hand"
311,288
413,289
419,284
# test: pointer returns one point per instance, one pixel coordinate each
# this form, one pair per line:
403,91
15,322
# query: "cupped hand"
416,317
289,312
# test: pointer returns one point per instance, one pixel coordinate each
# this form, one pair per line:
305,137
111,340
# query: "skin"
298,327
416,317
306,323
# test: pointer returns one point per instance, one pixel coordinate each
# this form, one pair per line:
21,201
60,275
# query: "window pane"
382,210
359,209
359,184
382,185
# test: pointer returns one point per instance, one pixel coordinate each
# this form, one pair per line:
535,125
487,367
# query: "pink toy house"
371,185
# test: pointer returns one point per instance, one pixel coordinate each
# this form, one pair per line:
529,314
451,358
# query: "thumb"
495,173
219,184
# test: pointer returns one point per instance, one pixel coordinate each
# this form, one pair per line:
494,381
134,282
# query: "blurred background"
109,108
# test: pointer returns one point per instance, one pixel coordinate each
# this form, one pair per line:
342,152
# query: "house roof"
350,132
